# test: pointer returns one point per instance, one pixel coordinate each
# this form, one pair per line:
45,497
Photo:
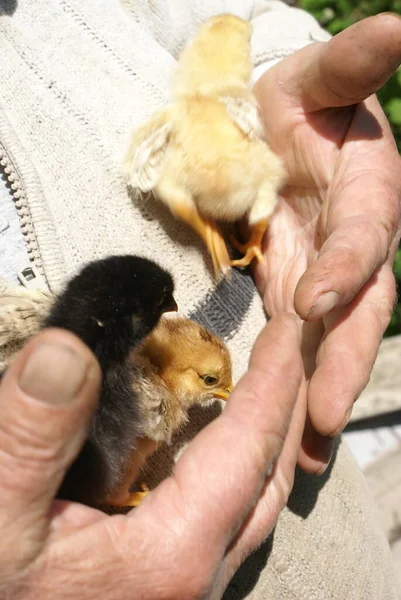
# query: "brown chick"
202,155
178,365
181,364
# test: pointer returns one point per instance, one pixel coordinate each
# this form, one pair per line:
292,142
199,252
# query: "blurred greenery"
336,15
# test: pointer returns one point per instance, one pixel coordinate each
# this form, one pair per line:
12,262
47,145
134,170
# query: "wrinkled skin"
161,550
337,226
335,230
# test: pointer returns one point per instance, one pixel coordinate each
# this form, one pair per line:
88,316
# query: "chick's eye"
209,379
161,300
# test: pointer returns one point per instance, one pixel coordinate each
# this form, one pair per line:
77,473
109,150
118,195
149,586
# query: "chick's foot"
251,249
130,499
135,498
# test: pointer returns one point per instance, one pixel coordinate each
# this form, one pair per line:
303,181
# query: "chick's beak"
223,394
170,305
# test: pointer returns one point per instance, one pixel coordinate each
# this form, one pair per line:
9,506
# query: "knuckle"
363,243
19,476
285,319
265,449
353,264
20,440
381,307
275,443
349,260
284,482
268,436
389,298
26,459
389,216
385,227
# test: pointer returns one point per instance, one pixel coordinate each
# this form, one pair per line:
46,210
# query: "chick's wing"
244,113
144,160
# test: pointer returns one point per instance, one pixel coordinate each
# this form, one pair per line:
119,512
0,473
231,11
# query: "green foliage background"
336,15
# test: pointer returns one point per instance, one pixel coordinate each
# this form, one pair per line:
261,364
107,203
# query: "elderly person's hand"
192,532
331,243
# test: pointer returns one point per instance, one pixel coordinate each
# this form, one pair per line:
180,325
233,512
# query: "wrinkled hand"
331,243
192,532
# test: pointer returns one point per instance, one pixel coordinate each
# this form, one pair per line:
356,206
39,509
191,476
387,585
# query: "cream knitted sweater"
76,76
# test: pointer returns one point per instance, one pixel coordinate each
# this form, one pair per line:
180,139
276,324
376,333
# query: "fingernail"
322,468
53,374
324,305
326,459
349,412
345,422
390,13
325,454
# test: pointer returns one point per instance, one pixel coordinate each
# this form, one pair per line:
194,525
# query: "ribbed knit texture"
76,77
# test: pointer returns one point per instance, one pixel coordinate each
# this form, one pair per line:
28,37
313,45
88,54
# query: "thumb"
47,398
349,68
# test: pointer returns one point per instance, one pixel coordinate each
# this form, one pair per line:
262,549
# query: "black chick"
112,304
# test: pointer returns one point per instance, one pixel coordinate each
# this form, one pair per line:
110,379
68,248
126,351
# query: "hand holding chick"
217,489
202,155
149,381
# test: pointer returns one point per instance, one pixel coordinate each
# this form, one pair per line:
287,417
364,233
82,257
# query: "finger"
274,495
66,517
344,363
316,450
360,231
220,476
349,68
361,221
46,400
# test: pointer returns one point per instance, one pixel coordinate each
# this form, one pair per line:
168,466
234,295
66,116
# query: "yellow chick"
202,155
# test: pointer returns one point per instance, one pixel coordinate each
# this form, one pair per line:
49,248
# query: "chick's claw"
132,499
253,248
135,498
250,251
